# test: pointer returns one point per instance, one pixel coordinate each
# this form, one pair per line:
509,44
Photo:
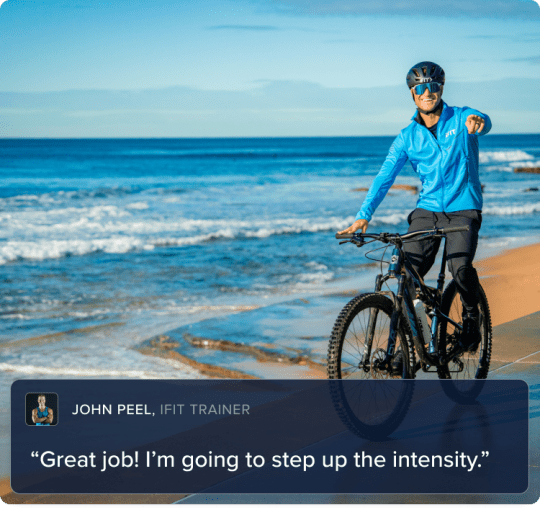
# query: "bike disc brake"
377,358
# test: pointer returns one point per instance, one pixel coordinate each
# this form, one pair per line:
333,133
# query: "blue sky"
259,67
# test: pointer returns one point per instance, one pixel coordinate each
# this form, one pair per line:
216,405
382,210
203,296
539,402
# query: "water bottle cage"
428,299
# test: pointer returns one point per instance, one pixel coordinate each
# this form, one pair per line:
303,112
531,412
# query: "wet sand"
512,283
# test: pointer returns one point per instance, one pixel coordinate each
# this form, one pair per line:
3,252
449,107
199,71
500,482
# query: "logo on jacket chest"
451,132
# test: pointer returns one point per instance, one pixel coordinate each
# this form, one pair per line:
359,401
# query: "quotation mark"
35,454
484,455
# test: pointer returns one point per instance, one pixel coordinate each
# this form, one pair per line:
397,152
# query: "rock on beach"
527,170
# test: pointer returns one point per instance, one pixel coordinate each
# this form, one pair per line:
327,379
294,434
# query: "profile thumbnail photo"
41,409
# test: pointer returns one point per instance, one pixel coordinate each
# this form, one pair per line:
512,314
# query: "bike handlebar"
386,237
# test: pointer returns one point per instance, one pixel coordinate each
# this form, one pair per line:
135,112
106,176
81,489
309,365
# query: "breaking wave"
512,210
47,245
504,156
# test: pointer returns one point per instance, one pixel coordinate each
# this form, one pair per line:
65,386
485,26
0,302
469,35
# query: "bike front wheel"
466,367
359,342
370,408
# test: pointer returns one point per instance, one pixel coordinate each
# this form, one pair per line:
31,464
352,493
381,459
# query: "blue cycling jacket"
447,166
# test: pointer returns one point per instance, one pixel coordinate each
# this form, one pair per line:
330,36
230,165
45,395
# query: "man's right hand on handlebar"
357,225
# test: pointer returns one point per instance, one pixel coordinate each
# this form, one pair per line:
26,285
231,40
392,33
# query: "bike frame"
409,284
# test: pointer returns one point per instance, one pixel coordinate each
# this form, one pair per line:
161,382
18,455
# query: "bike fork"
373,314
394,321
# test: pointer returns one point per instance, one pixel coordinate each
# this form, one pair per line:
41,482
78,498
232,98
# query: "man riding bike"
442,145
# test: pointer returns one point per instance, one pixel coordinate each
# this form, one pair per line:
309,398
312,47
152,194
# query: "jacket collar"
416,114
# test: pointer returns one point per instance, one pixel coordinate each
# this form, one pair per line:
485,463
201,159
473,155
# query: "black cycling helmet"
425,72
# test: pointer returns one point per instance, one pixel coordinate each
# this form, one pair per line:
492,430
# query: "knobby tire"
467,383
371,408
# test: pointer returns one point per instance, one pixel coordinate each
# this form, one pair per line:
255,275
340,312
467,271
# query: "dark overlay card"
269,436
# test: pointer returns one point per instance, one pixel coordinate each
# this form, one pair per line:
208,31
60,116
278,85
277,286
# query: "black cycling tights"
460,247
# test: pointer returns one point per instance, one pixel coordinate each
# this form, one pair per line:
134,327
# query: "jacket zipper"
440,155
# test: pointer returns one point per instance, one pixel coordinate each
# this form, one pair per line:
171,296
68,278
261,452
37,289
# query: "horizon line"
232,137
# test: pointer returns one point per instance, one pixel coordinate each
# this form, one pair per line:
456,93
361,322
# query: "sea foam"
512,210
80,231
504,156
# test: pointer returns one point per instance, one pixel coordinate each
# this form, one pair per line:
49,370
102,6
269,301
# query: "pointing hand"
474,124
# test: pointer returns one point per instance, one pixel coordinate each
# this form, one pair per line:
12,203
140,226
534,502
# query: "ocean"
116,240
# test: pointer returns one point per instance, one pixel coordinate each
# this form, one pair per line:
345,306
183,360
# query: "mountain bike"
379,335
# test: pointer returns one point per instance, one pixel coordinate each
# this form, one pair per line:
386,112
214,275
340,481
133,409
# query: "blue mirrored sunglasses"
432,87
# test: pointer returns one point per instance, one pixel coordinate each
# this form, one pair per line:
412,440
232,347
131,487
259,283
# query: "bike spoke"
358,343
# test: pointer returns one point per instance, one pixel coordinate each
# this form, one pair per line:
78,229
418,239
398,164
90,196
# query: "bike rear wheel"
370,408
466,369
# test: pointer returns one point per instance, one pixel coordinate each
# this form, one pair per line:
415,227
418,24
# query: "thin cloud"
530,60
439,8
243,27
340,41
268,28
274,108
493,36
508,37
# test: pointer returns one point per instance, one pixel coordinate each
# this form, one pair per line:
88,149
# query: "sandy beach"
512,283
